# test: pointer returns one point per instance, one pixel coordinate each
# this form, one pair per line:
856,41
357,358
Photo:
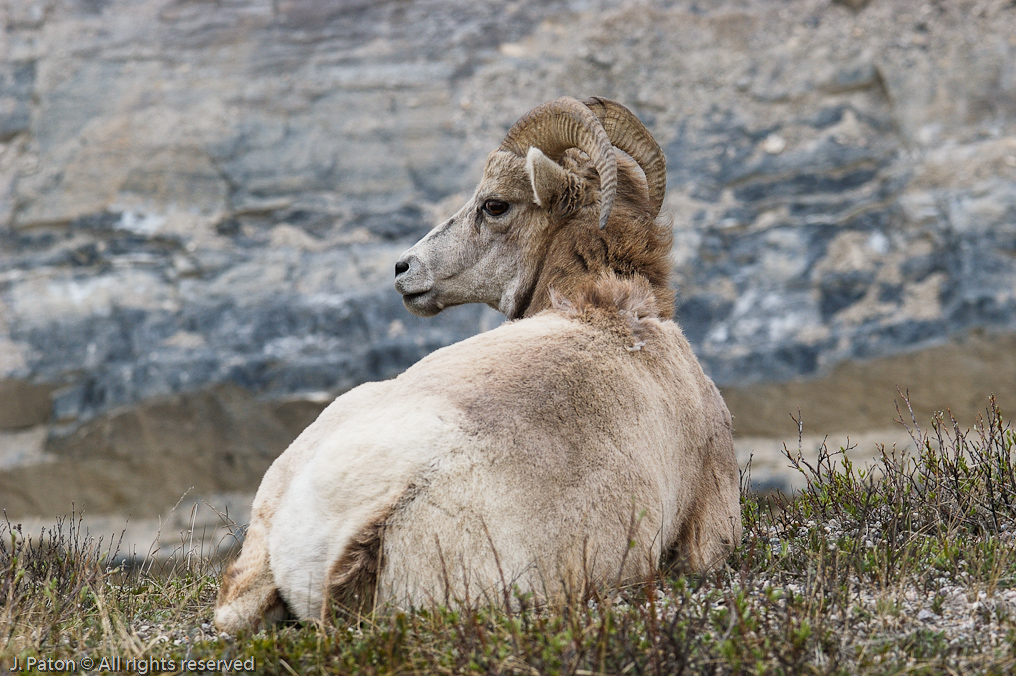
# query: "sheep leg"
249,597
713,526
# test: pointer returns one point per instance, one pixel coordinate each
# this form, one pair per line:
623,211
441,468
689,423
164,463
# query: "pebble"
774,144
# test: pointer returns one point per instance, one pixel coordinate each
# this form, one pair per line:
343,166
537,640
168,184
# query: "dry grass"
906,567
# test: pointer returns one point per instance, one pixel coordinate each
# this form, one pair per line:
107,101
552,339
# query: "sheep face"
541,217
479,255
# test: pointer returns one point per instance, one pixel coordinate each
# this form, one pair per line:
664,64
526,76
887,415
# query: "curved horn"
628,133
565,123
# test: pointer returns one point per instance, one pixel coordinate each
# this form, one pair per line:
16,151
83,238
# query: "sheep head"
557,165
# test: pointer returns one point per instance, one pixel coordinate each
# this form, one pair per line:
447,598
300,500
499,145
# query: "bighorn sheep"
530,226
530,456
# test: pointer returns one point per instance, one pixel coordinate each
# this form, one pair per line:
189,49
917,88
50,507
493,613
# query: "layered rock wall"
198,198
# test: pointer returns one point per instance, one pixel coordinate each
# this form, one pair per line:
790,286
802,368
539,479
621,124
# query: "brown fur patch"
609,292
354,577
618,305
577,252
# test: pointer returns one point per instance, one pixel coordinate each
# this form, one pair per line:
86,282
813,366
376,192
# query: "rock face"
197,196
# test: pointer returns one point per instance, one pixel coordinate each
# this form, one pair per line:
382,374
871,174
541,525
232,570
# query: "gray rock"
195,196
24,405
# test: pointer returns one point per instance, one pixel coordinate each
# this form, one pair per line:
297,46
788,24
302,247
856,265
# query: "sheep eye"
496,207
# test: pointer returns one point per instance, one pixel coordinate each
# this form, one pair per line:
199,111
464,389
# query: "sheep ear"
549,179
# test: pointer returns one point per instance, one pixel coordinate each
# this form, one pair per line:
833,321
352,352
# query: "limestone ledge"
199,198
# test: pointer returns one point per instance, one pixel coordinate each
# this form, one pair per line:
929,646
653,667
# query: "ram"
581,444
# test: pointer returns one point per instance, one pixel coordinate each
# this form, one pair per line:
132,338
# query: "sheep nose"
401,267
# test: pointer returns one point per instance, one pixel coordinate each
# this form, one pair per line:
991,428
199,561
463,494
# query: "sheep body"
526,456
582,444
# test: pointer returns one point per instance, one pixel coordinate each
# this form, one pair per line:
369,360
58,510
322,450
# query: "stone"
23,404
203,196
856,5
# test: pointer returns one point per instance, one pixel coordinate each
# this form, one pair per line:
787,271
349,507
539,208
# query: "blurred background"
201,204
